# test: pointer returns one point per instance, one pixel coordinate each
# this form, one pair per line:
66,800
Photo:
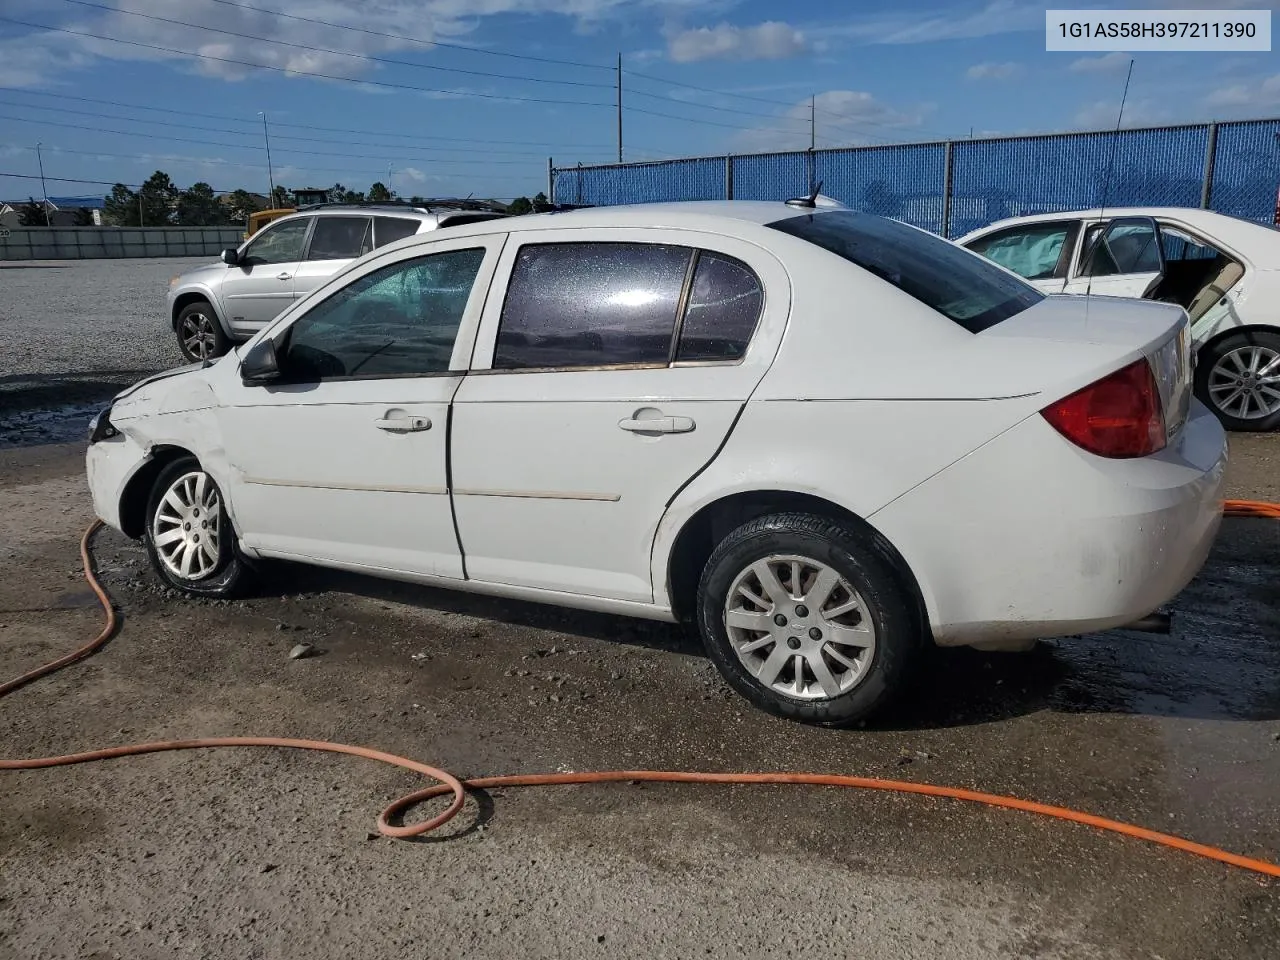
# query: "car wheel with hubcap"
1238,378
188,536
807,618
200,335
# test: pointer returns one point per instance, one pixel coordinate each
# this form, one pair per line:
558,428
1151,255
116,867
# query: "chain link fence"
956,186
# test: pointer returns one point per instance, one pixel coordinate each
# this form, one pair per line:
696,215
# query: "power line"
742,96
294,126
340,53
417,40
374,167
106,183
246,133
301,73
292,150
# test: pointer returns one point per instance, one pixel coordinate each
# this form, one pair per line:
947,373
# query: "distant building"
63,211
306,196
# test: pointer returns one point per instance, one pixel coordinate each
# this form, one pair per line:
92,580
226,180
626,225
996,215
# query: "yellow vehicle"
261,218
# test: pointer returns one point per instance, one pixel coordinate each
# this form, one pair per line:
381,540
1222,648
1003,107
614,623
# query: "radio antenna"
1106,185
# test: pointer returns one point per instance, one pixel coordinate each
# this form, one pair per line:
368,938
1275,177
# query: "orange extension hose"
448,784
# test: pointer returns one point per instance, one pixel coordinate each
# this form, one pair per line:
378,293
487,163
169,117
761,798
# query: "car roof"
1232,231
710,215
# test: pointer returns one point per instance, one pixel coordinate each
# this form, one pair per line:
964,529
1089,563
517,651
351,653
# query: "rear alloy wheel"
188,535
807,618
200,335
799,628
1239,379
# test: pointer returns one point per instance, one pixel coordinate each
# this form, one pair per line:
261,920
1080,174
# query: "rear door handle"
403,424
658,425
284,276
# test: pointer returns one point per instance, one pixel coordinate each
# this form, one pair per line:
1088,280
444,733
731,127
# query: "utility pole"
389,190
813,126
141,219
43,188
619,107
271,180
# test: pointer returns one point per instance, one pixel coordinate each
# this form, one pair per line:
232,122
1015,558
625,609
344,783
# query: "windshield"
960,285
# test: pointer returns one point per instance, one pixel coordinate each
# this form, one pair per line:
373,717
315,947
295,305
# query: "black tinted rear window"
960,285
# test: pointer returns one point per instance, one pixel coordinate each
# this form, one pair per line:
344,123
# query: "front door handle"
658,425
284,276
403,424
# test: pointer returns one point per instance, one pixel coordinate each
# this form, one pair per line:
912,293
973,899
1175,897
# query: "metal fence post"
551,180
1210,154
946,193
728,176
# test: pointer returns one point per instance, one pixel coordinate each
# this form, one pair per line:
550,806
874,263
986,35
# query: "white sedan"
1225,271
827,438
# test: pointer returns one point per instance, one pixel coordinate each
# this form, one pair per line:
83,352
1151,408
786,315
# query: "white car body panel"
539,452
851,391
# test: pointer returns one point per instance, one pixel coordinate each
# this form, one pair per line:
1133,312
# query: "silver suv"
212,307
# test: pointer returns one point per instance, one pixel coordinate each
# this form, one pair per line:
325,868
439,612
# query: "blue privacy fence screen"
957,186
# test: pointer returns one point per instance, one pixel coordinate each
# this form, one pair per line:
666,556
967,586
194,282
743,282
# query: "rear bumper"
1031,537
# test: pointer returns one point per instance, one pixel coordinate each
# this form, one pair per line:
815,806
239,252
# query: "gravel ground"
268,854
78,330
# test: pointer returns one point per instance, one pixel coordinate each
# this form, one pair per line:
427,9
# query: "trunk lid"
1095,336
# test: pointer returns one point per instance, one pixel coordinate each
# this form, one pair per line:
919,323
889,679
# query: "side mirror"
260,365
230,256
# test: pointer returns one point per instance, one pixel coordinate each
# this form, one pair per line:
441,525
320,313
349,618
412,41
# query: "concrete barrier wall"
82,243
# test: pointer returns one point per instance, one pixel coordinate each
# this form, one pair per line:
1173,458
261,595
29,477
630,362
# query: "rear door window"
390,229
1128,246
724,306
591,304
340,238
964,288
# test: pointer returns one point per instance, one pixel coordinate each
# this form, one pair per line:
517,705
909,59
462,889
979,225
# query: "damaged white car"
1223,270
826,438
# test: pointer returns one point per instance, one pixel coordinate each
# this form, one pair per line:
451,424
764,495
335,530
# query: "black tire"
1218,352
200,334
852,553
228,572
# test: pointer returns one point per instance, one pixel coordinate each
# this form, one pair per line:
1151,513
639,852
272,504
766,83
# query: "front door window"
279,243
400,321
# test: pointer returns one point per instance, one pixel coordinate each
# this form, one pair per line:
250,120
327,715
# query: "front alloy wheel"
200,335
185,527
188,535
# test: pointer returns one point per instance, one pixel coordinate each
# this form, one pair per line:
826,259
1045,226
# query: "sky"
471,97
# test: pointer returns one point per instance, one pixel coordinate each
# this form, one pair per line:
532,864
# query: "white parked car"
1225,271
827,438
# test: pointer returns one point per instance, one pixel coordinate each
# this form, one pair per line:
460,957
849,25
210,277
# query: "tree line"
160,203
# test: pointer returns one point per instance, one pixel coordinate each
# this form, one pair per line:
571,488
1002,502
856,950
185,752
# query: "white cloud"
1260,94
944,23
843,118
993,71
1116,62
1101,114
412,173
40,57
771,40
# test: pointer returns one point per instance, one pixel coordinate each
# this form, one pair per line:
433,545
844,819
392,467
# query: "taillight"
1118,416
